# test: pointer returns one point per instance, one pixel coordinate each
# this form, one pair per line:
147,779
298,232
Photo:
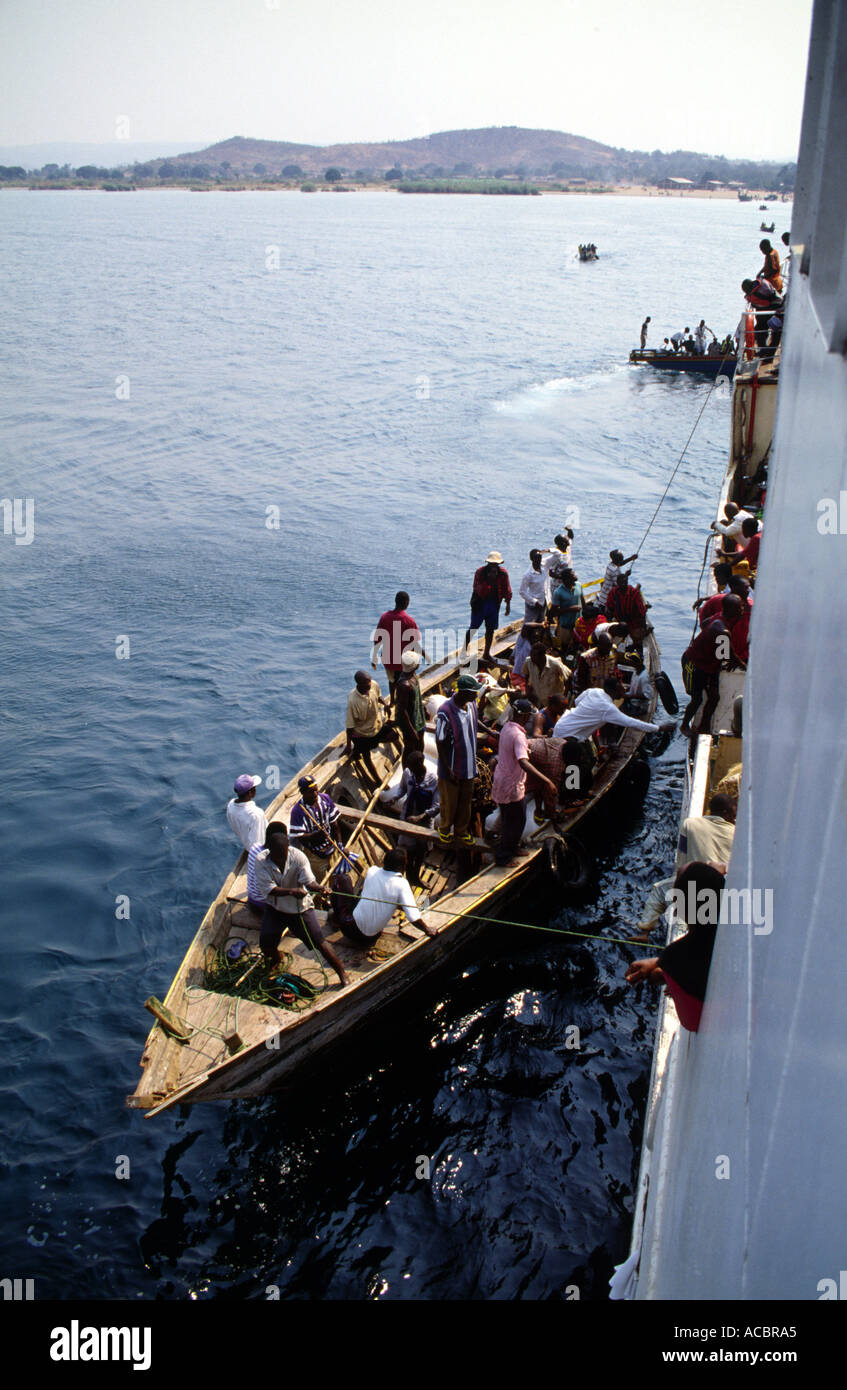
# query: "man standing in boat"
644,333
246,819
366,723
491,587
408,706
509,785
394,634
456,736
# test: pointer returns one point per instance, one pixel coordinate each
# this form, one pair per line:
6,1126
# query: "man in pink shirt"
394,634
509,786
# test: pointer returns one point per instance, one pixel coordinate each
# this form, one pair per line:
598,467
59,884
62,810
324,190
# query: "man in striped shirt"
456,733
312,819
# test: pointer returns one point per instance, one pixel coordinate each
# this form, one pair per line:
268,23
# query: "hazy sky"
724,77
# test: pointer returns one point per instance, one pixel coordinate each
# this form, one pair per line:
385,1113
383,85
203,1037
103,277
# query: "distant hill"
494,150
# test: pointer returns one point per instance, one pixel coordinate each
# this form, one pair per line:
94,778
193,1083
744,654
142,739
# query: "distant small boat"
764,228
684,362
745,197
763,207
588,253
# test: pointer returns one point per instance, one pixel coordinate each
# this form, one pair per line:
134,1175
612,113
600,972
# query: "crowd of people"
765,293
533,730
705,843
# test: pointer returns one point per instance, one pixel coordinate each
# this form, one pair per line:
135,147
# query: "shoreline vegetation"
488,186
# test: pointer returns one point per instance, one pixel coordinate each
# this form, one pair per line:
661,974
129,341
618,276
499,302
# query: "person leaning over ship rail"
683,966
491,587
362,919
285,882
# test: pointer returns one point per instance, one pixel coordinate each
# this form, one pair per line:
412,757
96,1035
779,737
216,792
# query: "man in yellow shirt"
366,723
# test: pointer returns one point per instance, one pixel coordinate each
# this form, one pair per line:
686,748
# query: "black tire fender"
666,693
568,862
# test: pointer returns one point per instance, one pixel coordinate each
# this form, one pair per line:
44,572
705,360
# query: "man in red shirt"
626,605
707,653
749,552
736,615
394,634
490,588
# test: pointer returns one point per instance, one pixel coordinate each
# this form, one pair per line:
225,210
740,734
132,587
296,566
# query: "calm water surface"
420,380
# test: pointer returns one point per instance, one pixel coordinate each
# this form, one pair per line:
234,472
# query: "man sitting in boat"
596,665
285,882
529,634
367,725
362,919
678,339
640,689
417,791
594,708
246,819
313,823
545,674
546,718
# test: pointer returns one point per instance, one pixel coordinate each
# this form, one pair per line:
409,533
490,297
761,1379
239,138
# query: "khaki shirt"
551,680
364,712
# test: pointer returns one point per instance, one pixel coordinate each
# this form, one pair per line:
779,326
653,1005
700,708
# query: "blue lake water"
397,385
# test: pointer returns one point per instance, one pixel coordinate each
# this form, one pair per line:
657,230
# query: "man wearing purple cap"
248,821
312,823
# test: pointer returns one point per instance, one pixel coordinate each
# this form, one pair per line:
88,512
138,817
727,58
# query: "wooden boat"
683,362
585,254
209,1046
763,228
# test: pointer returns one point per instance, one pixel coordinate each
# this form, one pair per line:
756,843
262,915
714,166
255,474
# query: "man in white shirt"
283,879
708,839
736,516
533,589
595,707
246,819
383,892
555,562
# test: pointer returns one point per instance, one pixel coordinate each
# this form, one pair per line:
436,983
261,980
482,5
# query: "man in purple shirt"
456,733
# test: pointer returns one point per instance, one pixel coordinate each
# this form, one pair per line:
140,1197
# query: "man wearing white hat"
408,705
247,820
490,588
